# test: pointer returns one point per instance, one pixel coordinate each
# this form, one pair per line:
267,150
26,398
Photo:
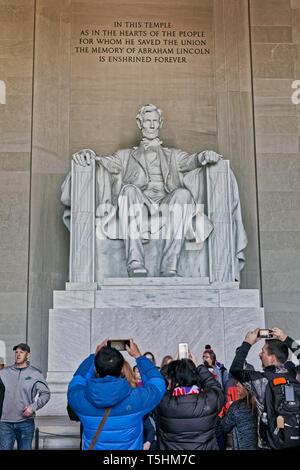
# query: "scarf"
186,391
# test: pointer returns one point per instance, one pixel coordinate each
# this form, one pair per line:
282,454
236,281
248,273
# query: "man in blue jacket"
99,383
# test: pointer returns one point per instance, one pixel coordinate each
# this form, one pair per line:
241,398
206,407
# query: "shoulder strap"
95,438
289,374
222,370
270,375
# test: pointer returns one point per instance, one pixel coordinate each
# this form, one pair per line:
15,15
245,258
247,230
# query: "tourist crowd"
180,404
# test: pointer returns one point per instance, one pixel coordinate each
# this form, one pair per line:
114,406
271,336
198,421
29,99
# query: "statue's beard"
149,134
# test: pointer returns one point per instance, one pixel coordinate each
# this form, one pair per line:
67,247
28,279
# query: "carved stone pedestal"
205,306
157,313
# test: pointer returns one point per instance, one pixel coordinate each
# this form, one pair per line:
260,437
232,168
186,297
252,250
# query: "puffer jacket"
188,422
243,424
89,397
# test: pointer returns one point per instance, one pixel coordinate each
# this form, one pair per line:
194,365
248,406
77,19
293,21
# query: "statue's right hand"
84,157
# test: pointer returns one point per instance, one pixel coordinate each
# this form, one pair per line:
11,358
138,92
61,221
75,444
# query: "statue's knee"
182,195
130,192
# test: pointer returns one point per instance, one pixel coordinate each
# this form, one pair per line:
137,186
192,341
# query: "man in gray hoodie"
23,391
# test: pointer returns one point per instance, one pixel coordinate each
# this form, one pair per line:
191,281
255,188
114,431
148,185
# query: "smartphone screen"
183,350
263,333
119,344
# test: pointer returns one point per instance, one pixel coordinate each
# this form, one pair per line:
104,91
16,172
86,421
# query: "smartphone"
119,344
265,333
183,350
289,393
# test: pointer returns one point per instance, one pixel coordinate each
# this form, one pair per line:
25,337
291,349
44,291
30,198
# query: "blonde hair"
165,361
129,375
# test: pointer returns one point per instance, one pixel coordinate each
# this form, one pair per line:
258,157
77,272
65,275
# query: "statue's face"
151,125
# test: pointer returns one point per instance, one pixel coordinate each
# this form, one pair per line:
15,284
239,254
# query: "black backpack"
71,413
282,408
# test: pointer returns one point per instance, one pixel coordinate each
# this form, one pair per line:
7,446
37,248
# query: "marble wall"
58,101
275,45
86,328
16,75
48,256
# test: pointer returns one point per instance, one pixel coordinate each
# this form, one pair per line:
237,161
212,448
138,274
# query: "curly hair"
148,108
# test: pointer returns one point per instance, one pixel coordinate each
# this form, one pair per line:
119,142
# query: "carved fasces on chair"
82,229
220,242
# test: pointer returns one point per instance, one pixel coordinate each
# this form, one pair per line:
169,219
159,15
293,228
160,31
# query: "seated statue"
151,191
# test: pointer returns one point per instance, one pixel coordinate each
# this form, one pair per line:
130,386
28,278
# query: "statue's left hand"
84,157
209,156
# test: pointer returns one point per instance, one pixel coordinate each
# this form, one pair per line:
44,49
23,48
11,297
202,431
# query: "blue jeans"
22,432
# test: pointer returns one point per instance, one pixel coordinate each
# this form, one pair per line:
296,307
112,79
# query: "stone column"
82,228
220,244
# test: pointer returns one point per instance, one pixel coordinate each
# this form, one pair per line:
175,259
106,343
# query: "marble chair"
95,257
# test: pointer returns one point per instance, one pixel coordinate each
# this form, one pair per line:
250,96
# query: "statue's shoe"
170,273
137,270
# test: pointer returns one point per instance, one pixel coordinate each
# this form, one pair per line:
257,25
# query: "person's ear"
274,359
122,371
139,124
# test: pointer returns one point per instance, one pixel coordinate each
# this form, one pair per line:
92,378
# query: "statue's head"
149,121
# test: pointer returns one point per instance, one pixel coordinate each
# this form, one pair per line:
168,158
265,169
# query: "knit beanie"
208,349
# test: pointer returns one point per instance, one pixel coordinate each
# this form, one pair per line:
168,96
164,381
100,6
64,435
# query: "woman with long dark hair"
187,414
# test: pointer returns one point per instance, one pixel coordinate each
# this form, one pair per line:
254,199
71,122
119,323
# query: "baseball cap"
22,346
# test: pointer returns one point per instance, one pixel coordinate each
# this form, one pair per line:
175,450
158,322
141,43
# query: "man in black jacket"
273,356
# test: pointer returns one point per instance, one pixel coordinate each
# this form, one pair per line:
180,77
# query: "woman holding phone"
187,414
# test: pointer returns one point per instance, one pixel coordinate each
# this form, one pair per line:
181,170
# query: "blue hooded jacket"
89,397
